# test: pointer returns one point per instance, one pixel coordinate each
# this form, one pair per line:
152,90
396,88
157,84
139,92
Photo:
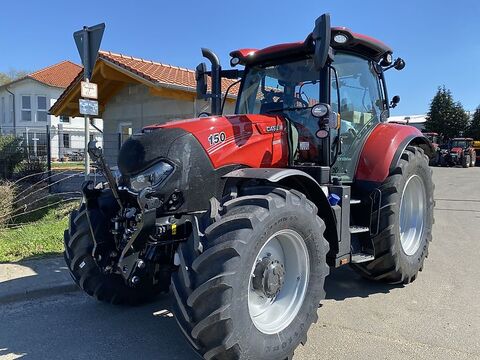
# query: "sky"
438,39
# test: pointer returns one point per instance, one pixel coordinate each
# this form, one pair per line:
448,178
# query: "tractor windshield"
289,89
459,143
292,88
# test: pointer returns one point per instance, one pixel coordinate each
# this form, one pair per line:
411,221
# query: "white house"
24,111
417,121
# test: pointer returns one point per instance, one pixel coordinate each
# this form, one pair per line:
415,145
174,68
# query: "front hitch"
129,261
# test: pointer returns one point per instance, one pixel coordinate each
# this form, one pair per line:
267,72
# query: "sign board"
89,90
88,42
88,107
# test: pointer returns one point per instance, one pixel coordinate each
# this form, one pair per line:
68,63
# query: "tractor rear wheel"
466,161
254,289
406,220
89,276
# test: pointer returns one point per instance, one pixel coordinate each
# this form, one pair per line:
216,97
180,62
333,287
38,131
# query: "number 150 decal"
217,138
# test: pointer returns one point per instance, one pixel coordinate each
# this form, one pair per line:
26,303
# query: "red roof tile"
59,75
158,72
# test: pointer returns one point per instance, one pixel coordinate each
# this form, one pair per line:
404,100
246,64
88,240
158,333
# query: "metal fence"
26,150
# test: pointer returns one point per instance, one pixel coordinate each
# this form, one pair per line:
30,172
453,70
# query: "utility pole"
88,43
86,65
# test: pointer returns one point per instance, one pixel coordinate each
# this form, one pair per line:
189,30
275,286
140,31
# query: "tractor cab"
461,144
329,88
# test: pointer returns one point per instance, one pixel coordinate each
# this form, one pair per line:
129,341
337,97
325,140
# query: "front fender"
384,147
300,181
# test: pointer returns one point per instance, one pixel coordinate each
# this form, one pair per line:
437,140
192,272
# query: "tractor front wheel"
89,276
253,288
466,161
406,219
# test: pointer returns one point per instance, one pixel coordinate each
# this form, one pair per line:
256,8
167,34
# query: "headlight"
151,177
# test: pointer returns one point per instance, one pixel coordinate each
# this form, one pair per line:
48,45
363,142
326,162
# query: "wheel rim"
413,208
284,253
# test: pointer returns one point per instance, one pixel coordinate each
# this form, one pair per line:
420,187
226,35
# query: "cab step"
355,201
361,258
358,229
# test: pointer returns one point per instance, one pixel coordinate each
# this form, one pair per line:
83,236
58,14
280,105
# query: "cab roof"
356,43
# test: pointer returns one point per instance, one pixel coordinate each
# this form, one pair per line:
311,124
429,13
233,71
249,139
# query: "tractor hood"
200,152
247,140
457,150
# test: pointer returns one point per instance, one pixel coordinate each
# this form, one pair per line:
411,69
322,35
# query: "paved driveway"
436,317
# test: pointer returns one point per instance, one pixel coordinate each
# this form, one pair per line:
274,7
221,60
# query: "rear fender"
383,150
300,181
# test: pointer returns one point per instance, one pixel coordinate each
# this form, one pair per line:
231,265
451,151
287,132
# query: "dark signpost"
88,43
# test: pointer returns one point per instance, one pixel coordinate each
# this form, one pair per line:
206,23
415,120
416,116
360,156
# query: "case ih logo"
274,128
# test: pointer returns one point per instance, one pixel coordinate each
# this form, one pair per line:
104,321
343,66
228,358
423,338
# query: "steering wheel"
349,136
301,101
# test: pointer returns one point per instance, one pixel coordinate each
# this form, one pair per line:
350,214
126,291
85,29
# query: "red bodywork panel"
379,150
458,150
251,140
261,141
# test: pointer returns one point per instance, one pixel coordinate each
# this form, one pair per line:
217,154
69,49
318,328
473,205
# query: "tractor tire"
473,160
87,274
400,250
217,289
466,161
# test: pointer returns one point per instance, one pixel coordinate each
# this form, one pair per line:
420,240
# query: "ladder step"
361,257
358,229
355,201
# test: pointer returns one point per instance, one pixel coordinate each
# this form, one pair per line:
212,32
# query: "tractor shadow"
344,283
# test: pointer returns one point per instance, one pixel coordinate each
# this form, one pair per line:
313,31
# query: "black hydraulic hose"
338,148
226,93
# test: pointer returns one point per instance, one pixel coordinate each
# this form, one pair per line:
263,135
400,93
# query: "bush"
32,170
7,197
11,155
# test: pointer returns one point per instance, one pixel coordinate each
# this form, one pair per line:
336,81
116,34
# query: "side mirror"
321,36
94,151
395,101
399,64
201,78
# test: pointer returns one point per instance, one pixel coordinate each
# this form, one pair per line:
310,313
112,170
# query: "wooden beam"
110,73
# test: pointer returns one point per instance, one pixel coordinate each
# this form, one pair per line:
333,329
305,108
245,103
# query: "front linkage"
135,243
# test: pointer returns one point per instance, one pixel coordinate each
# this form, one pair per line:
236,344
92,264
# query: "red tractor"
243,215
459,151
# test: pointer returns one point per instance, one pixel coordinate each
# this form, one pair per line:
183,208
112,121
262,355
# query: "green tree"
446,116
474,127
11,75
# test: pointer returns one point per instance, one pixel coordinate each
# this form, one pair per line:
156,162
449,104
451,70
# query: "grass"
36,234
68,165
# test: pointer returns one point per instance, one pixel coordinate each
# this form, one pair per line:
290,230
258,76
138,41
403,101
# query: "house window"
66,141
42,109
26,108
124,133
64,119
